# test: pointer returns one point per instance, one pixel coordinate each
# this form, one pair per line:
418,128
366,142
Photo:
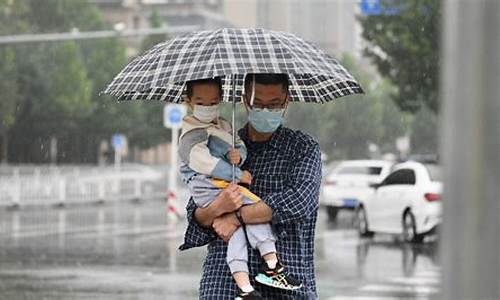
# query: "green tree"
155,21
62,15
57,84
345,127
394,122
9,89
424,137
8,97
403,43
54,95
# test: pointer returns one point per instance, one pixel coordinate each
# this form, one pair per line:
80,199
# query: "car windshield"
360,170
434,172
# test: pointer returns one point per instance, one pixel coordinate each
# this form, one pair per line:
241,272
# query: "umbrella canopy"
161,72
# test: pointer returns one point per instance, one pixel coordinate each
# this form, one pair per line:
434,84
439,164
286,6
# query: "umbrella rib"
230,53
205,44
269,38
218,58
253,60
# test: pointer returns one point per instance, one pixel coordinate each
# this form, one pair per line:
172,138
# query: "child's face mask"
206,114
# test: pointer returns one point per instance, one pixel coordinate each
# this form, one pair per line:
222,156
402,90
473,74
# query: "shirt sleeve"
194,151
300,198
196,235
243,150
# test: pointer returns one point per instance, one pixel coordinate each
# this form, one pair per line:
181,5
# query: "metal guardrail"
32,185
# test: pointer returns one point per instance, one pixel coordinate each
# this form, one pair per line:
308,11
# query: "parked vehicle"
349,183
407,202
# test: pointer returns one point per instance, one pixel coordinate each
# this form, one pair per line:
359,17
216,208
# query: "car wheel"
332,212
362,223
410,229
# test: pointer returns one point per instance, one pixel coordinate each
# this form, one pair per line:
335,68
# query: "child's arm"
242,149
194,152
238,143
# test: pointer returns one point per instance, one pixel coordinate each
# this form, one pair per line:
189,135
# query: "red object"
330,182
170,197
432,197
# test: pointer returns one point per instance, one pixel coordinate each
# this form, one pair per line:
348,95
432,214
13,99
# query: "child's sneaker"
277,278
253,295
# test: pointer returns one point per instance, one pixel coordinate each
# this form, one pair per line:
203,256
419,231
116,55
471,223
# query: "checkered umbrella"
161,73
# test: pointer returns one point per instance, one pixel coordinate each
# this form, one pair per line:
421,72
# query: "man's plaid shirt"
286,175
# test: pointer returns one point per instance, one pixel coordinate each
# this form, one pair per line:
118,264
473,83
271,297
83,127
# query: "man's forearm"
256,213
226,201
205,216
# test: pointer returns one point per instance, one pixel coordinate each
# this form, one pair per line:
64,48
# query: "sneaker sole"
263,280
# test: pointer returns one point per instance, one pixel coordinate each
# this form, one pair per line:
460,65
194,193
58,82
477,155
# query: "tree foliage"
348,125
424,137
403,42
52,89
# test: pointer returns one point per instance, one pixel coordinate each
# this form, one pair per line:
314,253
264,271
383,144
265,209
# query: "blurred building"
136,14
159,154
330,24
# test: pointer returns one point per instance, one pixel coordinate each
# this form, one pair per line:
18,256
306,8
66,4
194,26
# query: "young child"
207,156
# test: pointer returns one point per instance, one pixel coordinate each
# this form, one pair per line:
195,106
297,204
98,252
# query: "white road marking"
416,280
390,288
55,231
429,274
363,298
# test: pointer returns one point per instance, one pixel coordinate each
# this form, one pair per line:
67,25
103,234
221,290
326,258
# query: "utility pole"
471,149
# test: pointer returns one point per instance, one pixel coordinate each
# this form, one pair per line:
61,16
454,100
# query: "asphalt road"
129,251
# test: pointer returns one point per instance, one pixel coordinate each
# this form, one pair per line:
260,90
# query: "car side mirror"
375,185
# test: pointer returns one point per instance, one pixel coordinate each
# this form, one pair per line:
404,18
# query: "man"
286,169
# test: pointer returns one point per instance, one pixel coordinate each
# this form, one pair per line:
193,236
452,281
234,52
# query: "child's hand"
234,156
246,177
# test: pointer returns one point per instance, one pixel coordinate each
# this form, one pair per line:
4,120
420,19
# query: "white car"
407,202
350,182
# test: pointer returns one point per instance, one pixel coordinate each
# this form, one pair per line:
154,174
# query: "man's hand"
225,226
234,156
229,199
246,177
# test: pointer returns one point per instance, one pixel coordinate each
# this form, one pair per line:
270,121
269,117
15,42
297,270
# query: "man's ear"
287,100
286,104
244,100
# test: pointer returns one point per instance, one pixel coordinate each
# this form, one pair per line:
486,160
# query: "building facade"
137,14
330,24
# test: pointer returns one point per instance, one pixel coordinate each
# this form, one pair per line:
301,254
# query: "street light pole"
77,35
471,150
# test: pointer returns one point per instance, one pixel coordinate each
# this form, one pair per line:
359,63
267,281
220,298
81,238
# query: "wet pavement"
129,251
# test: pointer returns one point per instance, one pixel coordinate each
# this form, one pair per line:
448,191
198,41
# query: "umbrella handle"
233,123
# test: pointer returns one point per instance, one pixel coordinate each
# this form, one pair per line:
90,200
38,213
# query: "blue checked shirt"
286,175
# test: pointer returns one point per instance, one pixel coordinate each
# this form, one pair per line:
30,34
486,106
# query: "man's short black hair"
189,84
267,79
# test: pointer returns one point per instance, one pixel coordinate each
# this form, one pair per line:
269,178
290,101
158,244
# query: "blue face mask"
265,120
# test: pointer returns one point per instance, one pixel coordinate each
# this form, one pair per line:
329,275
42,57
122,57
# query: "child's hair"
189,84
